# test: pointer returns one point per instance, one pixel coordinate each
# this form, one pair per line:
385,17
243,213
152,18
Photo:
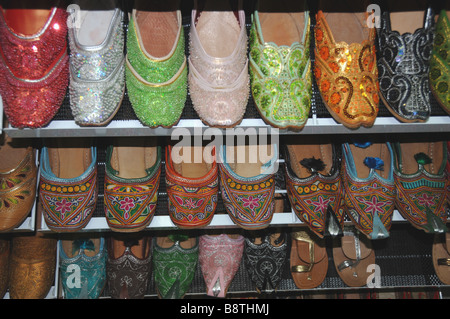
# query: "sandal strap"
350,263
302,236
443,261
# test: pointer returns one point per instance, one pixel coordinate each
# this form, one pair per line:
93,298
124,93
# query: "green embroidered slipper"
440,62
156,72
280,67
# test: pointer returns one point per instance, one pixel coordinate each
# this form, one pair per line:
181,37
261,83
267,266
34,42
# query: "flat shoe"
192,187
314,187
32,266
34,63
68,186
248,184
441,257
133,173
280,66
85,257
345,68
219,258
128,265
18,176
440,62
174,262
404,86
422,184
352,254
97,63
309,259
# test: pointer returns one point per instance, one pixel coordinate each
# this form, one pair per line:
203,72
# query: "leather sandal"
441,257
309,259
352,254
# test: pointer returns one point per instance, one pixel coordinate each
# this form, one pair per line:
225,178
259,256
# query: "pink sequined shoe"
219,258
34,64
218,65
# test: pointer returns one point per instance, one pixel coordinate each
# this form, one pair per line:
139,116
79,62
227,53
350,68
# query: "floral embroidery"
126,204
426,200
373,206
250,202
321,204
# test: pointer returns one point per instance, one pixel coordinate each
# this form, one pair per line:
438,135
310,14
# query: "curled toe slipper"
441,257
309,259
352,254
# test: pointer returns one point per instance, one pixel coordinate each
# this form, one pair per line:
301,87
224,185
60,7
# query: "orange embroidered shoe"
345,68
17,182
192,186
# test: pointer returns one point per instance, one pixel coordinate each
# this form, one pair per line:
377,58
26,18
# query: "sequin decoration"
157,88
440,62
280,78
97,81
347,76
403,69
34,71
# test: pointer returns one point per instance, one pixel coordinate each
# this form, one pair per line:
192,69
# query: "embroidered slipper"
87,257
352,254
309,259
345,67
404,87
128,265
220,257
314,187
421,184
18,176
247,182
175,259
280,65
440,61
441,257
369,188
32,266
264,259
68,186
192,183
132,178
5,252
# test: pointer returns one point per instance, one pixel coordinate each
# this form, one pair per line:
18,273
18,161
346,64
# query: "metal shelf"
314,126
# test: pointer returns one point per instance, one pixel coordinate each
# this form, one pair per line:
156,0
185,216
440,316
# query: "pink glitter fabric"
219,258
34,71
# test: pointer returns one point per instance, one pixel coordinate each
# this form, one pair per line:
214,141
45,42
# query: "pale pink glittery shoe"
218,65
219,258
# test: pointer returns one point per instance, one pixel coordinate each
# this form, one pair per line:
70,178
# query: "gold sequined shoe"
345,68
32,266
17,182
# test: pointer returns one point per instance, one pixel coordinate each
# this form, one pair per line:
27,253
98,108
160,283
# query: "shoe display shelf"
405,258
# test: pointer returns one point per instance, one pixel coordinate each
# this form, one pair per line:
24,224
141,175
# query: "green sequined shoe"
280,68
174,262
440,62
156,72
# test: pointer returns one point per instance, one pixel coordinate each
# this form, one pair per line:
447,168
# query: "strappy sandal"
352,254
309,260
441,257
264,259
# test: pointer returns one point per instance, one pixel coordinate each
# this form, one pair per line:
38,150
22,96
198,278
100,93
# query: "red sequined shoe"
34,64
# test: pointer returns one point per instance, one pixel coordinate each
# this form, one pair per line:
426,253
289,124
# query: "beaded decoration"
68,206
35,71
347,76
157,88
403,69
280,77
440,62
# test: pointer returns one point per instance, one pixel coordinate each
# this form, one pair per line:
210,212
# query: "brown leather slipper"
352,255
441,257
309,259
